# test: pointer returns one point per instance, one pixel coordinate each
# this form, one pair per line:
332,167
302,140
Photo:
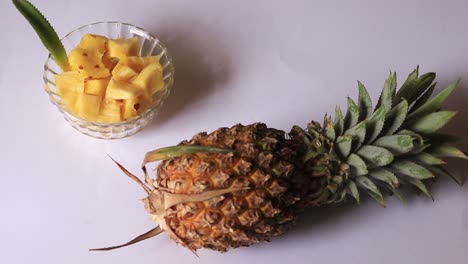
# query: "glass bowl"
149,46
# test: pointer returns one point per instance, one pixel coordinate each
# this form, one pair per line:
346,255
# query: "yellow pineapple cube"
68,85
121,48
87,106
96,86
150,78
139,63
94,42
130,108
69,82
123,73
88,63
122,90
111,111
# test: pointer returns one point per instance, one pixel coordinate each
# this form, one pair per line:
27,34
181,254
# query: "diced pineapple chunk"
123,73
94,42
122,90
69,84
96,86
150,78
87,106
111,111
121,48
88,63
139,63
130,108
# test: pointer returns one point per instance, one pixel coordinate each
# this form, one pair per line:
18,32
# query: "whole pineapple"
245,184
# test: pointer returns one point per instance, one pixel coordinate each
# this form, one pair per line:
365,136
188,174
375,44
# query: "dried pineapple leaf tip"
153,232
131,176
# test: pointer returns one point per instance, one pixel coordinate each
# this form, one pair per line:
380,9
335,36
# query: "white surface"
280,62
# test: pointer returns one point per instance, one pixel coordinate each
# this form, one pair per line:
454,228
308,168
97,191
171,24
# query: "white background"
280,62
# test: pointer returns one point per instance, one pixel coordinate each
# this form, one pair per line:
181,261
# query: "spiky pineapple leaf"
395,118
375,125
45,32
353,191
422,85
423,99
352,115
419,149
398,194
432,122
385,176
339,122
364,103
428,159
372,189
435,103
343,145
375,156
388,92
329,129
358,134
441,171
414,87
357,166
421,186
447,151
397,144
411,169
407,85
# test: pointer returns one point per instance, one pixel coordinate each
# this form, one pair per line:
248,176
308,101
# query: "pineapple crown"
396,143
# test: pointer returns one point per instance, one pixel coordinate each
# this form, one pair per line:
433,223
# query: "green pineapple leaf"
45,32
339,122
388,92
398,194
358,134
414,87
435,103
375,156
368,185
428,159
423,99
441,171
375,124
329,129
421,186
397,144
411,170
447,151
353,191
432,122
357,166
364,103
408,85
385,176
352,115
422,85
395,118
343,145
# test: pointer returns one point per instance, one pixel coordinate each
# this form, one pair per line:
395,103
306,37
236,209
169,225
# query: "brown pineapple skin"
265,161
